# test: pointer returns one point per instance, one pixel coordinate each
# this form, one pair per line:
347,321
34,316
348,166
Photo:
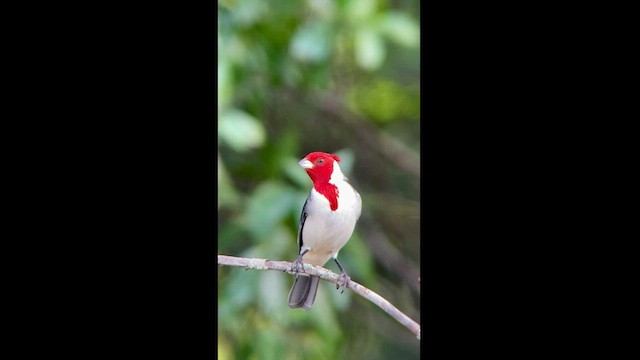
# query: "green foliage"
277,60
240,130
383,101
312,42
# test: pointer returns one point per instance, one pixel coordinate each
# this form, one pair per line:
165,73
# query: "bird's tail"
303,292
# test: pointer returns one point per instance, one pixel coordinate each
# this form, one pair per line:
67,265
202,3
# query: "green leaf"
400,28
239,292
325,9
248,12
240,130
369,48
270,344
225,348
357,10
311,42
225,83
381,100
289,166
227,194
267,207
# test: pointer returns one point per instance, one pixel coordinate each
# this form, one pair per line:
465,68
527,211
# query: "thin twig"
328,275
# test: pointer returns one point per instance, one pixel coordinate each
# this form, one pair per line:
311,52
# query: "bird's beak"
304,163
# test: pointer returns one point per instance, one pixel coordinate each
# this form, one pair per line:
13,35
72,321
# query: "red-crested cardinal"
327,221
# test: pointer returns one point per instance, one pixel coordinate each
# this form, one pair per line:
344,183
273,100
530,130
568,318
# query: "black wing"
303,218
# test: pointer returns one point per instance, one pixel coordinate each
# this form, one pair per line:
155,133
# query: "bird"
327,221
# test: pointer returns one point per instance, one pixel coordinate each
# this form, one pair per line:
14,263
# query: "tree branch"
328,275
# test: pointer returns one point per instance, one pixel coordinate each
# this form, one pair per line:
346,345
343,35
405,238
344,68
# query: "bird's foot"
343,282
297,265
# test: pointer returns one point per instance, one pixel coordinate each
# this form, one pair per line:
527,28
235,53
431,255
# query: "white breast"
325,231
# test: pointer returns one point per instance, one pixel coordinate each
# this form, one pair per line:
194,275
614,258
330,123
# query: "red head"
319,166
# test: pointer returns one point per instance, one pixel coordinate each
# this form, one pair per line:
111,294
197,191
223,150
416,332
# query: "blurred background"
339,76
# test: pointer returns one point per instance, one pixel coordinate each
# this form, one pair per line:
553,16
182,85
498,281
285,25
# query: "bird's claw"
343,282
297,265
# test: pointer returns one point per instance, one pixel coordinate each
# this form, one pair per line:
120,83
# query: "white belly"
325,232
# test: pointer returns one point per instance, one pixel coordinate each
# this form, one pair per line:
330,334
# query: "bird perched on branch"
326,223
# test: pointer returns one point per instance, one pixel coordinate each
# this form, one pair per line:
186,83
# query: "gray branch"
328,275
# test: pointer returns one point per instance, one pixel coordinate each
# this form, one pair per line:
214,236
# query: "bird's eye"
320,161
